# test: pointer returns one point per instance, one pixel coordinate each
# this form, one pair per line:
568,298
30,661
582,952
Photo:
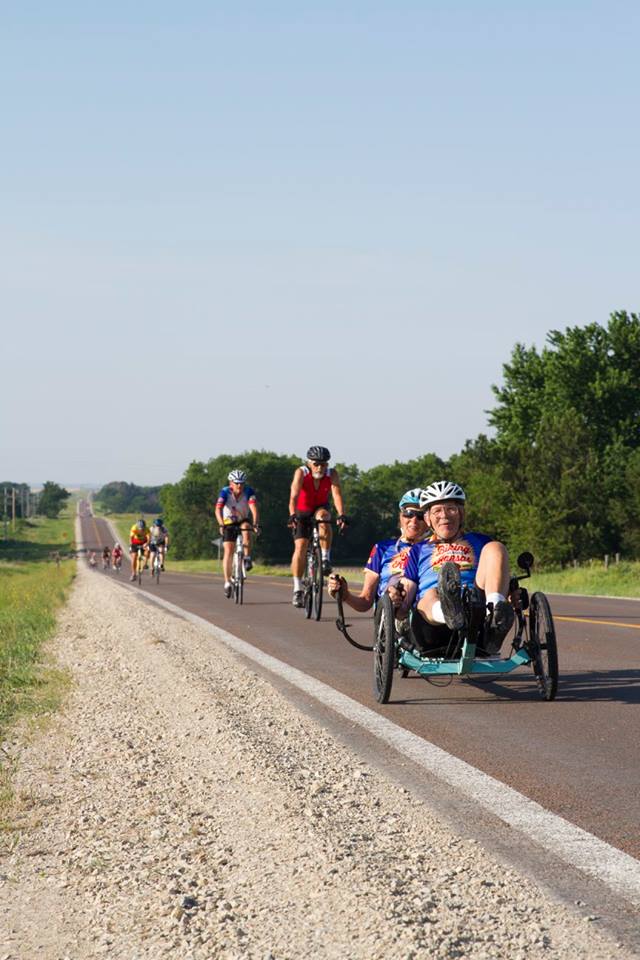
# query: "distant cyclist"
312,485
158,540
106,558
388,558
138,537
116,556
234,505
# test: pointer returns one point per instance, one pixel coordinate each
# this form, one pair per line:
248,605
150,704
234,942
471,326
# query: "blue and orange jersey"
426,559
388,559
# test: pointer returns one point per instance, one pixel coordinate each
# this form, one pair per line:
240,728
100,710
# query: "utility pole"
13,508
4,511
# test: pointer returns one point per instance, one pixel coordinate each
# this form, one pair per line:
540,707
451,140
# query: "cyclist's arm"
255,513
362,601
296,487
336,491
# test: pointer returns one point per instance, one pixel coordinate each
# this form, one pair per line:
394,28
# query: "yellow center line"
604,623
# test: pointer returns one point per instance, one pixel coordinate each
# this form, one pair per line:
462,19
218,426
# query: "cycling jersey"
235,508
426,559
388,559
310,498
138,536
158,533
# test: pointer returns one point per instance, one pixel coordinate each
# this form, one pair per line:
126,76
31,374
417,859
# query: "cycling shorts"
154,544
304,526
230,530
134,547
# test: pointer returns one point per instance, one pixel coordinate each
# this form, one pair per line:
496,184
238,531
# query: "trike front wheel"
384,651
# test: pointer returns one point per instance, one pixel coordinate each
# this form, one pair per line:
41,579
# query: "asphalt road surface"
577,756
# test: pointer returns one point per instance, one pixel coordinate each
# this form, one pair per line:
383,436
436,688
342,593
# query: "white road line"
576,847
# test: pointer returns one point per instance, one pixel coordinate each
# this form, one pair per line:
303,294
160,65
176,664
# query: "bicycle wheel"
542,646
318,582
241,579
140,565
157,566
384,651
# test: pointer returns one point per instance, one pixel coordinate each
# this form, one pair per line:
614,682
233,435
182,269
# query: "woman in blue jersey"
388,558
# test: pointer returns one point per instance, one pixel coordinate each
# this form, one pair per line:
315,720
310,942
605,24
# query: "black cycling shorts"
303,527
230,530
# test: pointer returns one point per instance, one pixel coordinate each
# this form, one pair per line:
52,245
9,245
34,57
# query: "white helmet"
237,476
439,491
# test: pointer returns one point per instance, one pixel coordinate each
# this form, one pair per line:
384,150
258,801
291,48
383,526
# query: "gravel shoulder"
179,806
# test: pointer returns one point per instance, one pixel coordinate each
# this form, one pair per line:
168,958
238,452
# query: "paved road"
578,756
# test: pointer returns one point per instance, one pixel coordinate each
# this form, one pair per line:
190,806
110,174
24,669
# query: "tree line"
560,477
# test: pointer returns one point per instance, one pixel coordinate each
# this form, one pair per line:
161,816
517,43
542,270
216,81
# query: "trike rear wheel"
543,648
384,651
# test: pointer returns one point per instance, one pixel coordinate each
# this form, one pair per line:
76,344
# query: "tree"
52,499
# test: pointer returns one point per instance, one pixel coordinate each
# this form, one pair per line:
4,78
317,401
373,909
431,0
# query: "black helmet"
318,453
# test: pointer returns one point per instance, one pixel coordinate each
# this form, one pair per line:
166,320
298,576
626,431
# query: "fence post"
606,561
617,558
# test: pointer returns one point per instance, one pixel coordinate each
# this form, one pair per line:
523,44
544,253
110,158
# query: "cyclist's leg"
245,526
492,574
324,529
228,547
133,556
301,536
426,604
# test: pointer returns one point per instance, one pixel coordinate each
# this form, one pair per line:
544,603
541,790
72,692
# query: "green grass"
39,537
619,580
32,589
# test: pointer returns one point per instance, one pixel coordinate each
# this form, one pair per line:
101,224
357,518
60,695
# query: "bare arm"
296,487
362,601
336,491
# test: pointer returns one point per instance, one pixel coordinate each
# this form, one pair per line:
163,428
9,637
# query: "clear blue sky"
267,225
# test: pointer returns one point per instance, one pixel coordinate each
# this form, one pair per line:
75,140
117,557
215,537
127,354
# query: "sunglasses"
413,514
319,463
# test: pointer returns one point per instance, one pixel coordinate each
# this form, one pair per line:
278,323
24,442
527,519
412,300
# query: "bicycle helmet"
411,498
439,491
237,476
159,522
140,525
318,453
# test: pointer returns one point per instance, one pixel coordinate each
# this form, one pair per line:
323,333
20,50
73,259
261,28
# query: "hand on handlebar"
397,594
343,522
292,521
336,585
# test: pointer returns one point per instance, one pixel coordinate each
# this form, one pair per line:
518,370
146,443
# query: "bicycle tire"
543,646
384,651
235,577
241,579
157,567
140,565
318,582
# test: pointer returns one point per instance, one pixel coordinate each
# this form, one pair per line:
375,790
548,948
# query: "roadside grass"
619,580
31,593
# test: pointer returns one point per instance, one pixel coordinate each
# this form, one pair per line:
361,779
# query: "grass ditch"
33,587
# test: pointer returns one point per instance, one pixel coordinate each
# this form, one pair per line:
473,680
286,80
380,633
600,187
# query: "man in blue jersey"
437,568
233,506
387,559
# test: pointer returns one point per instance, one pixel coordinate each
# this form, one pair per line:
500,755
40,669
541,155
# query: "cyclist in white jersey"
234,505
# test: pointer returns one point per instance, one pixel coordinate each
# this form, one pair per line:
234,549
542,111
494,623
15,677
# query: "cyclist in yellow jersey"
138,535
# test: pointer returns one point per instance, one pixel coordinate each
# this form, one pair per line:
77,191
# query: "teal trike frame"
532,643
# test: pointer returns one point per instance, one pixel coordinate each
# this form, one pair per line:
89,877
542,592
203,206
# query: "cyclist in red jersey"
311,487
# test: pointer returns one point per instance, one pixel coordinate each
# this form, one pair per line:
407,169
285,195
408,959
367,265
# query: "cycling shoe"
450,595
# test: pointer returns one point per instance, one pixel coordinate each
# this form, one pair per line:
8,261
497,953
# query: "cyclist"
449,559
116,556
106,558
92,560
310,488
388,558
138,537
158,540
234,504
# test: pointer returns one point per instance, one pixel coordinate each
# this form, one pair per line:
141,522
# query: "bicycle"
117,564
140,562
157,563
238,572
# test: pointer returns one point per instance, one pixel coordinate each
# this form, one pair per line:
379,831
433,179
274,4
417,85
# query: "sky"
269,225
